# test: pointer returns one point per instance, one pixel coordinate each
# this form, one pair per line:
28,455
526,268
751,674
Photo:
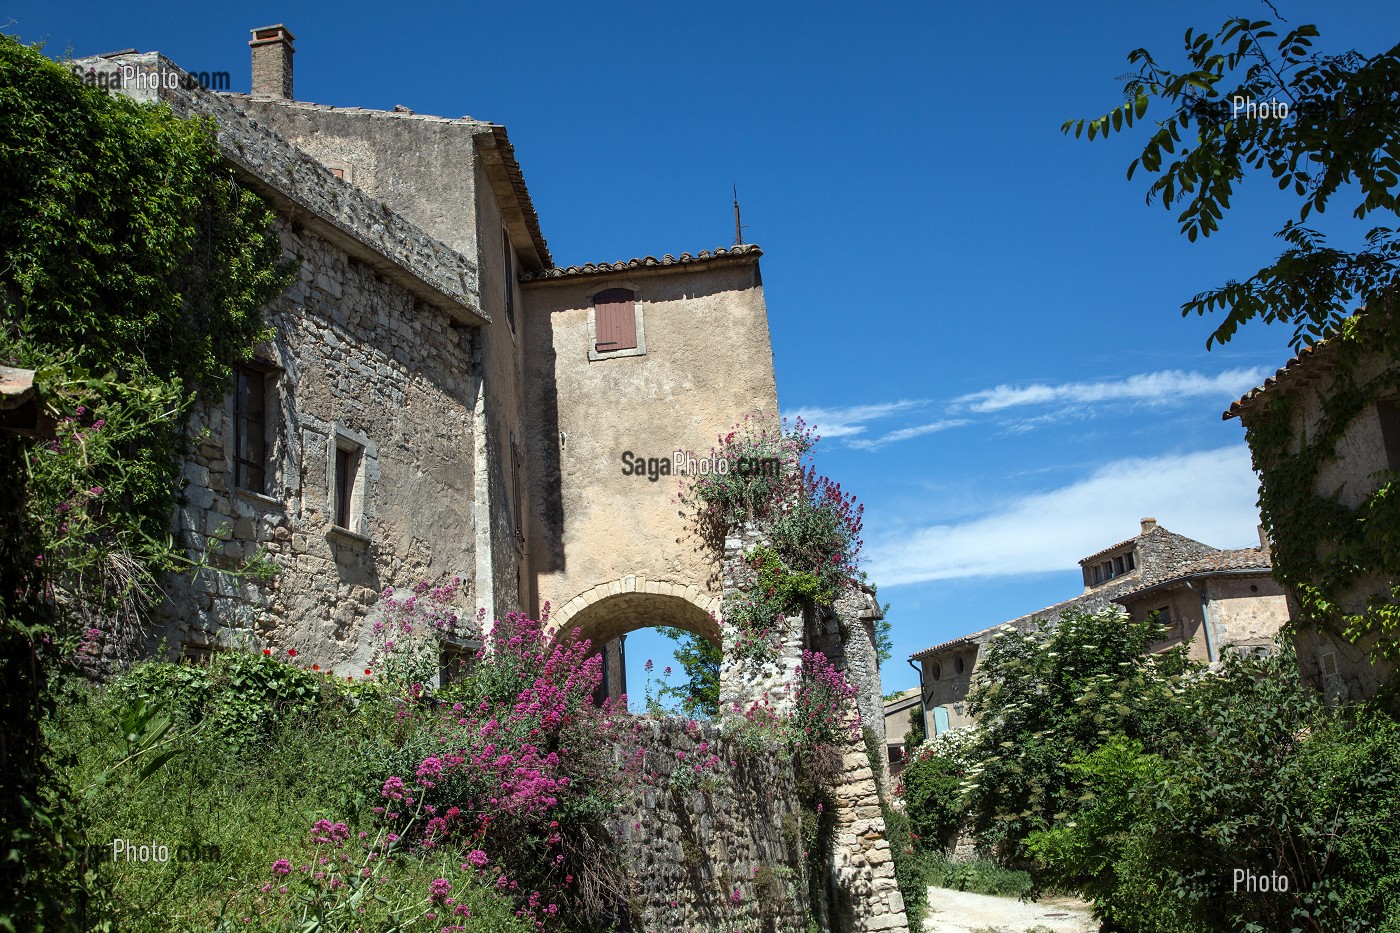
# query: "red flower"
267,651
366,671
292,652
315,667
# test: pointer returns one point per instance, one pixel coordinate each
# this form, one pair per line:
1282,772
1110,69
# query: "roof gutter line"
923,713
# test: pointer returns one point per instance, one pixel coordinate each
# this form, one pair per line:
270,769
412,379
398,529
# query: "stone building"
1298,401
440,400
898,725
1208,598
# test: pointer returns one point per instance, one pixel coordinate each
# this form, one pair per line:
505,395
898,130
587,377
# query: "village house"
1210,600
898,724
1352,408
439,399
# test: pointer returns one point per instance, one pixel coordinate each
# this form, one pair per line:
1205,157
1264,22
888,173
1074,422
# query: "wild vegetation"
1164,792
134,276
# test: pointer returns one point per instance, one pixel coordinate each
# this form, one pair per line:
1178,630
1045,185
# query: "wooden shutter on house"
615,319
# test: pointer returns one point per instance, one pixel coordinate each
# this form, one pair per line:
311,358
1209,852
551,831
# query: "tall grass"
226,811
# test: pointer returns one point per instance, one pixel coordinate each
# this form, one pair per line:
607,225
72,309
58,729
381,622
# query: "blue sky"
979,313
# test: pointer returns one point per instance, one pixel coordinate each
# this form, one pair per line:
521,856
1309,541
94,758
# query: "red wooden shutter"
615,320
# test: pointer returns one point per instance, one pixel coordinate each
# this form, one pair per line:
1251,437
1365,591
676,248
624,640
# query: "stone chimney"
272,61
1264,543
1148,524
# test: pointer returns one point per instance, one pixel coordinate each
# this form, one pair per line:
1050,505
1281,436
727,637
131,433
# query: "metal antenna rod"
738,227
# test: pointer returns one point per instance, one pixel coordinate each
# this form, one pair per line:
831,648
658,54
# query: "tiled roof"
742,251
940,648
522,194
1235,560
1111,548
1288,376
1170,560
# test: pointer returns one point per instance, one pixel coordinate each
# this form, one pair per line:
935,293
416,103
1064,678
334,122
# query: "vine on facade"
1322,548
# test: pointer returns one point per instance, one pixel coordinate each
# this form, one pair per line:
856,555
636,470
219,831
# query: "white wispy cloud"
904,434
849,420
1208,495
1157,388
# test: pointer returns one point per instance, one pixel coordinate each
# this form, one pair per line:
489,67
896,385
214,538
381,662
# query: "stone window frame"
455,649
361,505
342,169
275,467
641,348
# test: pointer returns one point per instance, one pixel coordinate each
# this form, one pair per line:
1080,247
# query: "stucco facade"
610,548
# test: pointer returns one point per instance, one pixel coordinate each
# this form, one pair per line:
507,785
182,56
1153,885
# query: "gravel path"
962,912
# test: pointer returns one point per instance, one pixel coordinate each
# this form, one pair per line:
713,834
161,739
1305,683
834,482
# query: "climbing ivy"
133,273
1322,548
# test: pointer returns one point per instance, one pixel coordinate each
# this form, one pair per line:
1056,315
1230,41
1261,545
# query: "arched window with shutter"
615,311
615,324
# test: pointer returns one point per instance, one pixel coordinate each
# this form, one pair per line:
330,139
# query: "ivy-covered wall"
1326,443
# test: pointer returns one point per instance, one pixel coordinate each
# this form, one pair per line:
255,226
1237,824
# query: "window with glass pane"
250,430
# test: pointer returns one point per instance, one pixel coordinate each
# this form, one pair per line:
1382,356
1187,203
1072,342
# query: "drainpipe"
923,713
1205,620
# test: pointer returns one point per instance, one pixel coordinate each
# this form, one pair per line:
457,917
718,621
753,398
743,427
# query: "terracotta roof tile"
743,251
1287,376
1234,560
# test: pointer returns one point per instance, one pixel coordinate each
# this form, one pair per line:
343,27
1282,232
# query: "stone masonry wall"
719,849
357,357
863,890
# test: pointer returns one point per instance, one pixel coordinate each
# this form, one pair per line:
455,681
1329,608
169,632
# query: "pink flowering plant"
510,773
812,528
341,880
821,714
408,633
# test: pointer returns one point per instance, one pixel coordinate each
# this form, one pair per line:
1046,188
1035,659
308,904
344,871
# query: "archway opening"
662,651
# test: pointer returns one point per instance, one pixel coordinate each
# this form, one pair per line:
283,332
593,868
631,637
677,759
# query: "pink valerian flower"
325,832
439,889
282,867
477,858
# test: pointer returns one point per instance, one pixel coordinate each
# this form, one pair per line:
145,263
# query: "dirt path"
961,912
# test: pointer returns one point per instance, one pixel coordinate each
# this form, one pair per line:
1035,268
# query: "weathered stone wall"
714,849
744,681
429,169
864,891
354,356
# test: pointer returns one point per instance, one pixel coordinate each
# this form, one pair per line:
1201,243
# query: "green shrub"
1270,782
931,785
1044,697
980,876
238,696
